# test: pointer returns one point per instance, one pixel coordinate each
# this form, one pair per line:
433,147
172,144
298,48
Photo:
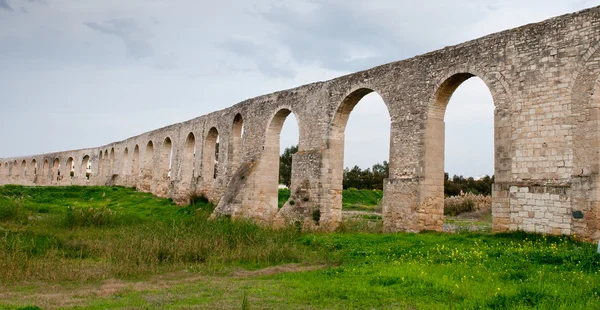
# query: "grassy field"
100,247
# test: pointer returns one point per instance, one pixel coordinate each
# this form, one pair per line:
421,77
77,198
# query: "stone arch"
2,170
166,156
100,164
148,169
15,169
336,142
189,158
70,166
34,167
24,171
432,189
236,142
85,167
209,157
126,160
135,162
111,166
106,164
268,170
46,170
56,170
585,121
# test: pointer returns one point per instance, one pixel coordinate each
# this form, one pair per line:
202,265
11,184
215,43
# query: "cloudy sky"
76,74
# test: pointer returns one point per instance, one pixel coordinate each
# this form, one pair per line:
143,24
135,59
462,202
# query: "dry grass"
467,203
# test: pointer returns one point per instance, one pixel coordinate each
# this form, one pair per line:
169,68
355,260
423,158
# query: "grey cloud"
136,39
351,35
4,5
262,56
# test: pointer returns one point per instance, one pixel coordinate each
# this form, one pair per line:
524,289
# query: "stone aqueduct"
545,82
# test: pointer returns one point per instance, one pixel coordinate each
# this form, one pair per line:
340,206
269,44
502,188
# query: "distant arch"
86,167
147,170
210,156
56,170
24,171
126,160
189,158
111,169
166,158
236,144
35,168
269,164
71,167
135,162
15,168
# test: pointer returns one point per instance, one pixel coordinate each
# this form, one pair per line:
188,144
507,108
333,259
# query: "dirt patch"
58,296
276,270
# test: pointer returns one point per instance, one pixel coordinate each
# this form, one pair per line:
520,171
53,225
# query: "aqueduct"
545,82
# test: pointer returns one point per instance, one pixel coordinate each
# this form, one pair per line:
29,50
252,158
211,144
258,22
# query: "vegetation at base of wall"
467,203
169,256
283,196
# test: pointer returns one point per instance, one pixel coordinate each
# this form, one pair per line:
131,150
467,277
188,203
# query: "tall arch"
135,164
85,167
126,160
166,155
24,171
189,158
34,170
111,169
15,169
148,169
432,191
236,142
46,173
100,164
269,165
56,170
70,166
209,157
336,150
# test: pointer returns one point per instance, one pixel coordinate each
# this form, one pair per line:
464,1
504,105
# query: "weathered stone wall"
545,82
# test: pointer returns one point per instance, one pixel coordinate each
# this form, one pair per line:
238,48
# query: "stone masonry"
545,82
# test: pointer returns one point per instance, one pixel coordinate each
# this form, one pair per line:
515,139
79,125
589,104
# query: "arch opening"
236,144
459,161
282,135
15,168
189,158
126,160
24,171
86,167
56,170
166,158
147,170
360,154
210,166
135,162
35,167
71,166
111,169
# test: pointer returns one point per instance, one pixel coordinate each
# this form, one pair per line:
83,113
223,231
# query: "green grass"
167,256
362,199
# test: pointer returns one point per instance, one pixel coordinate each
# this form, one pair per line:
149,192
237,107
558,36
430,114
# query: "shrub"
467,203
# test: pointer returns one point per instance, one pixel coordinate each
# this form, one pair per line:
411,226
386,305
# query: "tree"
285,165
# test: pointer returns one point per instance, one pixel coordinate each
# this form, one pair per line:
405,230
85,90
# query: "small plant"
316,216
245,303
